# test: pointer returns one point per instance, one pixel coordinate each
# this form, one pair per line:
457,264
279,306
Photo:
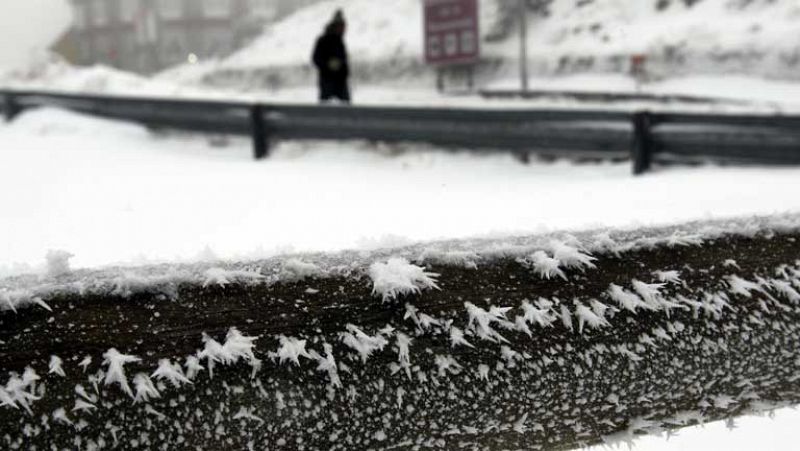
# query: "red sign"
452,32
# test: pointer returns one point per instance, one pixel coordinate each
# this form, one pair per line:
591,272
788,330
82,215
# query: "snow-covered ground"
111,192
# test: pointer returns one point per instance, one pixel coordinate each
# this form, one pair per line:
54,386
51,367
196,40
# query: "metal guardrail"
606,97
568,134
737,139
643,136
217,117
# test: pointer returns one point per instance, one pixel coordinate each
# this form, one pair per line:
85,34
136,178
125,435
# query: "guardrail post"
259,132
642,146
10,107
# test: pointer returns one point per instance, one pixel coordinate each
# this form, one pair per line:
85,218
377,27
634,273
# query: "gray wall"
150,35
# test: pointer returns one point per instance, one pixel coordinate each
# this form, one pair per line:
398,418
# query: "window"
217,42
451,44
170,9
469,43
174,47
85,52
80,16
129,10
100,16
146,29
435,46
102,51
217,8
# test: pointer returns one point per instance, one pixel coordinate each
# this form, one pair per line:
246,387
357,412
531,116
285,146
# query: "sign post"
452,34
523,45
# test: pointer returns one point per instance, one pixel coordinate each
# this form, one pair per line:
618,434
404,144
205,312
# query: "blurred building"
149,35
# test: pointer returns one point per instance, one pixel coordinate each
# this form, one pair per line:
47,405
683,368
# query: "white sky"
27,27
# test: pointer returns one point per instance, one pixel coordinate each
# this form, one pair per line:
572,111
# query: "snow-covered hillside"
384,39
748,37
758,37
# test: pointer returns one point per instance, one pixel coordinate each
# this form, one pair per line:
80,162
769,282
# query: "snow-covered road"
111,192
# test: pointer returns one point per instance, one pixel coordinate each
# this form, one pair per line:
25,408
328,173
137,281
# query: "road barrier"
644,137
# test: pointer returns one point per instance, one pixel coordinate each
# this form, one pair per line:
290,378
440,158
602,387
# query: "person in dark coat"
330,59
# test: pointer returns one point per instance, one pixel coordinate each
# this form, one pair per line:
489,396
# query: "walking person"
330,59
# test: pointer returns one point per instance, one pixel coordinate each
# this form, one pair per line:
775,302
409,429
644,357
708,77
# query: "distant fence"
644,137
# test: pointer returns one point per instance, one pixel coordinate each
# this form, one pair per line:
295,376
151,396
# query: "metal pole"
641,150
523,44
10,108
258,130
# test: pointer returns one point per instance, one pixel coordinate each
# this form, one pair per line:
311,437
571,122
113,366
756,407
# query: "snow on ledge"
222,276
394,272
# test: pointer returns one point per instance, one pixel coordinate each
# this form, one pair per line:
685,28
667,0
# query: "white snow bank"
56,75
56,122
111,193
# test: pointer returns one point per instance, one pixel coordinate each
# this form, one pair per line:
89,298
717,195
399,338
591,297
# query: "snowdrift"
53,74
549,343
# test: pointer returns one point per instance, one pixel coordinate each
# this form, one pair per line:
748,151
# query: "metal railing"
643,136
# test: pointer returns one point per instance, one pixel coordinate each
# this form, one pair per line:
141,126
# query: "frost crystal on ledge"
292,349
398,277
145,390
362,343
116,369
171,372
571,257
236,347
55,366
480,322
543,265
